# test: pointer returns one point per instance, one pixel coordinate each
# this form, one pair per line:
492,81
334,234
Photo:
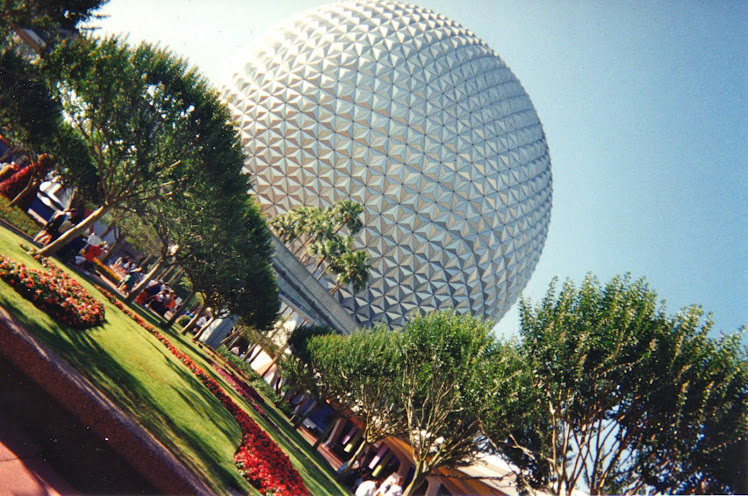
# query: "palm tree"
331,248
346,214
316,223
352,267
284,227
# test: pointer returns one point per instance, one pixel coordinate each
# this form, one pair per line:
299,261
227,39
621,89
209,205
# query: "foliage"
320,230
152,132
30,116
360,373
16,183
298,369
255,380
28,111
47,17
440,384
624,397
54,292
227,258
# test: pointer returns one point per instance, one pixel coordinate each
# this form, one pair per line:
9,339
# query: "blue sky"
644,104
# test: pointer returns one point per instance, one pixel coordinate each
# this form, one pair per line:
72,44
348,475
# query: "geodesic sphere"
411,115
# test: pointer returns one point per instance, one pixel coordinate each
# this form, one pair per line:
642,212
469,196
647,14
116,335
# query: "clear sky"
644,104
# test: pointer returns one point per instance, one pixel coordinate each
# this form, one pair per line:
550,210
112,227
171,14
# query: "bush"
18,218
54,292
183,320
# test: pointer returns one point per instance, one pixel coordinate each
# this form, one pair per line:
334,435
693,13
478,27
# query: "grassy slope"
133,369
18,218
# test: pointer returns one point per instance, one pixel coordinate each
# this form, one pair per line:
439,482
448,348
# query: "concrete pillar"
380,453
383,463
433,486
404,467
353,443
336,432
350,434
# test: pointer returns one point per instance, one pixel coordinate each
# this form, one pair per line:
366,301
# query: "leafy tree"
30,117
347,214
351,267
151,132
359,373
226,255
699,414
298,369
46,17
442,357
624,398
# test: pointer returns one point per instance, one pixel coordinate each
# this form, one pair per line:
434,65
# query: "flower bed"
259,458
54,292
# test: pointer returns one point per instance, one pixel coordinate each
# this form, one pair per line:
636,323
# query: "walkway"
23,470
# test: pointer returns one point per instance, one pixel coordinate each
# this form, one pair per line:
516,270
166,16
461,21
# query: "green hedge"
18,218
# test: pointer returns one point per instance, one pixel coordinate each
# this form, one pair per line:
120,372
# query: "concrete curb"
141,450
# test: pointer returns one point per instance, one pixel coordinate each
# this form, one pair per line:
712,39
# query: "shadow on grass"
80,349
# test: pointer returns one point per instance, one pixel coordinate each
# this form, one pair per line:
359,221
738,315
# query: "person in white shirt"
367,488
391,486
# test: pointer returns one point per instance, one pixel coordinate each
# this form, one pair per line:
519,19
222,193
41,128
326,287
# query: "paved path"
22,469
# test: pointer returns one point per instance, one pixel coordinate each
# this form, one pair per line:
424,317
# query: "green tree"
227,255
351,267
151,132
46,17
298,369
442,359
30,117
360,373
624,398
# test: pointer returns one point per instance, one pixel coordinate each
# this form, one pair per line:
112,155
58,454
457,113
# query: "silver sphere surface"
411,115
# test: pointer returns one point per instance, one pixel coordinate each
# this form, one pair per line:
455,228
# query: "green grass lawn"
20,219
137,372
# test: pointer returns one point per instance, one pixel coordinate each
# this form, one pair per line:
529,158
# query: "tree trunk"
247,353
33,184
164,272
275,360
177,274
192,323
110,250
300,420
349,464
197,336
111,227
277,383
232,338
256,354
321,439
142,284
418,476
74,232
